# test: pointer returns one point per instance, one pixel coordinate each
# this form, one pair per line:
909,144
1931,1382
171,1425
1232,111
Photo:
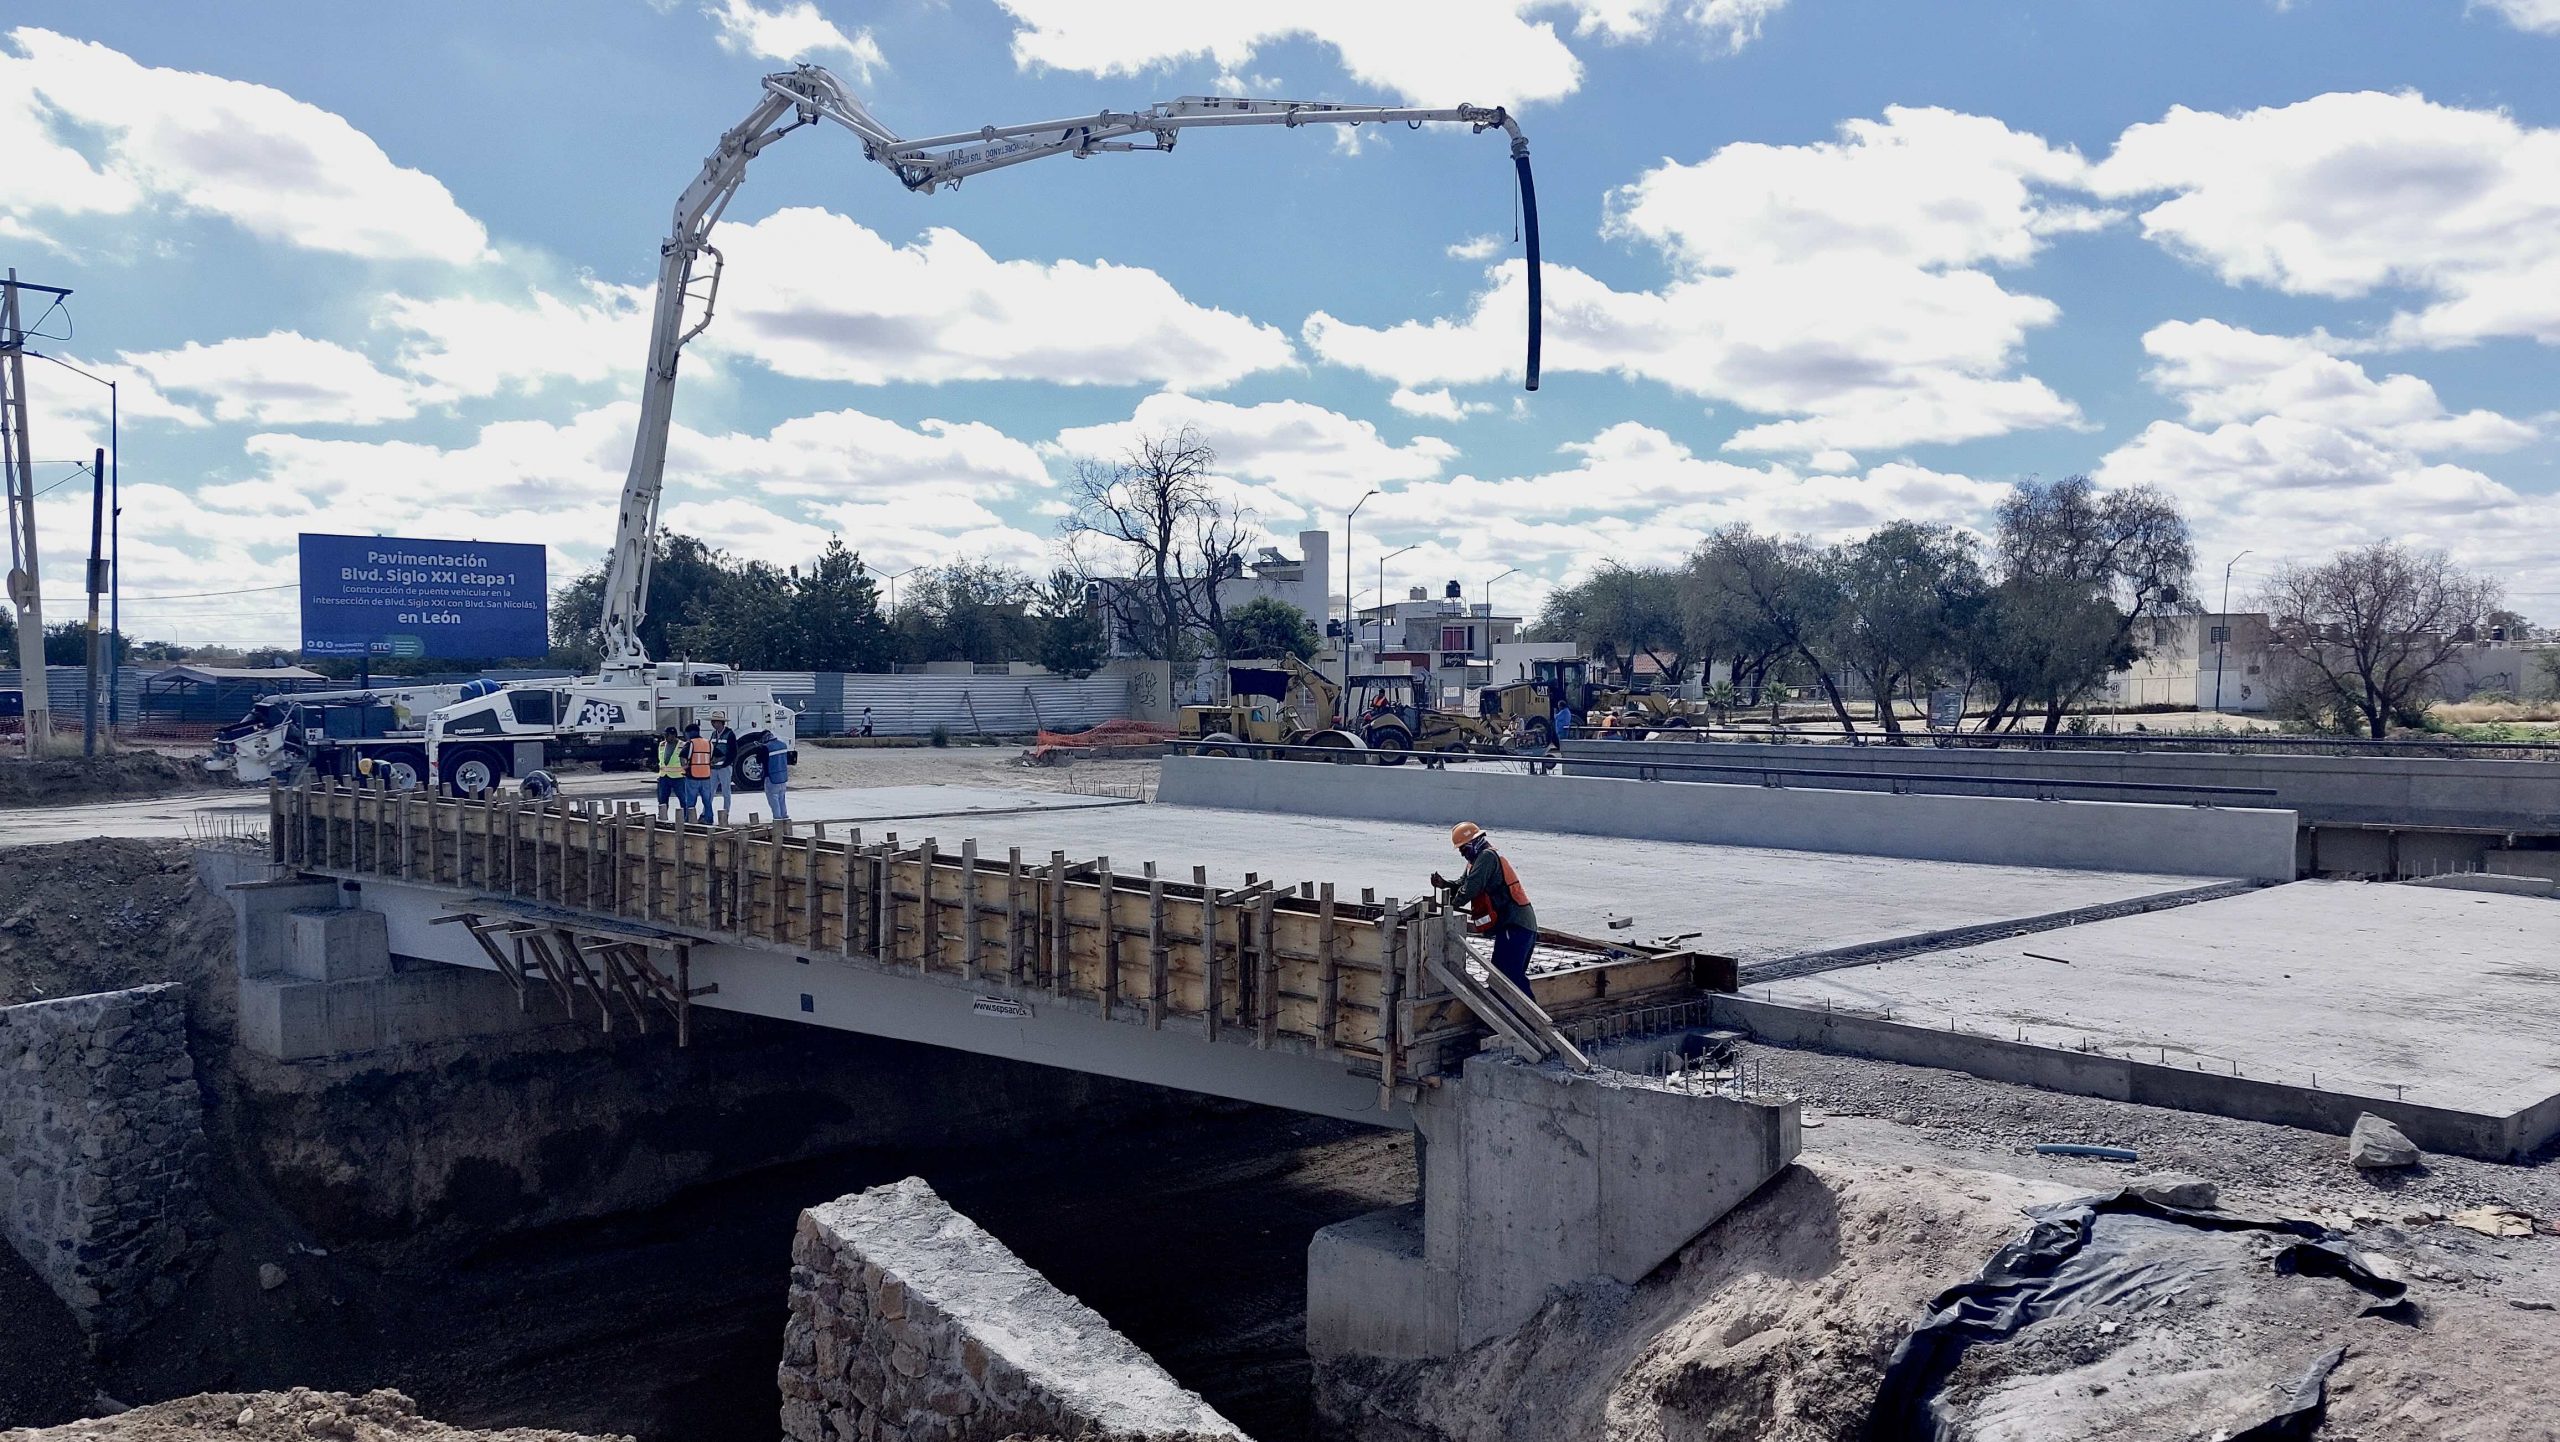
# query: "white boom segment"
807,94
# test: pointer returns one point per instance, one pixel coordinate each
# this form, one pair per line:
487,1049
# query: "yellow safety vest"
671,758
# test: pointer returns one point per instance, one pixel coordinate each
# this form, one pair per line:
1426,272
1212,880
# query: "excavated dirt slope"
300,1415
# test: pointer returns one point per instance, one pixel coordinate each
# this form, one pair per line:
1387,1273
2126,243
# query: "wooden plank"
1057,923
812,907
1266,983
649,866
1015,954
1328,968
737,879
1110,936
969,908
1213,974
851,922
1159,976
928,913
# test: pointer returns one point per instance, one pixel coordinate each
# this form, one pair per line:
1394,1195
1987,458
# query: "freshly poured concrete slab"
203,813
1745,902
2438,997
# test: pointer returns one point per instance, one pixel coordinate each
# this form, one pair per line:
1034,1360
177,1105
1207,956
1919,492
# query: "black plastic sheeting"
2070,1260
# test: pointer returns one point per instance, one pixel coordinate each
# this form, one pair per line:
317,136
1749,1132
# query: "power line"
196,595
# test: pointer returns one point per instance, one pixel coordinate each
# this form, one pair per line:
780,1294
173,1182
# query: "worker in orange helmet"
1499,906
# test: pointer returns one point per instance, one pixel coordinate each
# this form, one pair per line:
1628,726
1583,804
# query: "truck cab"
522,727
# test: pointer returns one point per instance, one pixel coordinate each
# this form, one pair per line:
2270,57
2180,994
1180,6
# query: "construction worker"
777,776
670,770
697,776
1493,894
724,760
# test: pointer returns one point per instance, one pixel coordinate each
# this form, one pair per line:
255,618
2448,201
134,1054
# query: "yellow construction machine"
1395,717
1269,703
1531,704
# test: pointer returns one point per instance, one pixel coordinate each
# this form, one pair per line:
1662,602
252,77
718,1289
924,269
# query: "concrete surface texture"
1534,1178
101,1136
2440,997
1749,902
909,1323
2100,835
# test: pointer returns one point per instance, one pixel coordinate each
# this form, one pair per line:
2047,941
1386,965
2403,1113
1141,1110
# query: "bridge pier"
1534,1178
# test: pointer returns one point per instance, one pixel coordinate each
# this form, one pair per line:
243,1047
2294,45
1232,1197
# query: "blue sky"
1814,264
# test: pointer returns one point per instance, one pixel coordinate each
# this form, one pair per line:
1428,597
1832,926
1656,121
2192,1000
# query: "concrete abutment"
1534,1178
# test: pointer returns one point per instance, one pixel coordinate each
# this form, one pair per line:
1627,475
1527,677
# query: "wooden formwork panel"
1278,964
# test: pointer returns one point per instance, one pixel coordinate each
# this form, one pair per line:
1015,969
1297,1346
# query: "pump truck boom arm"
808,94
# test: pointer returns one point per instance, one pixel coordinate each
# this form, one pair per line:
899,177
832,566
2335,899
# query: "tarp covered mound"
1049,745
2120,1317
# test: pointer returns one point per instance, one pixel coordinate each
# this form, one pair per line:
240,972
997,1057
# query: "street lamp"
115,522
1487,593
892,577
2222,631
1350,632
1382,591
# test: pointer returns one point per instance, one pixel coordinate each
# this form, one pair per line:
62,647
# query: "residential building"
1443,635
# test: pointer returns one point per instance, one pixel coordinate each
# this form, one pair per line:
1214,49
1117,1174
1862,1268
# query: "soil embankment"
118,775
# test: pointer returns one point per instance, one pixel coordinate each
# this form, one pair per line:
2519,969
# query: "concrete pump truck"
475,743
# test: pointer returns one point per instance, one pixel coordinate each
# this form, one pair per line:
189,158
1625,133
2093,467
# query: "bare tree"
2368,630
1166,538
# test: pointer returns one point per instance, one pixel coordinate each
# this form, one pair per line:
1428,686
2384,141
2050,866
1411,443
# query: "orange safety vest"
1481,904
697,758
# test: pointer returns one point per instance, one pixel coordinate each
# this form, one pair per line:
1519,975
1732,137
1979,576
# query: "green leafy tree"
1907,597
835,622
966,611
1071,637
1267,628
2082,571
685,571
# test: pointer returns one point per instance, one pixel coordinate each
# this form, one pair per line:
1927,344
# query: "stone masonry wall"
910,1324
101,1150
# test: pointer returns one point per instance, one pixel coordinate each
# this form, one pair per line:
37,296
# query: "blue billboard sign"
391,596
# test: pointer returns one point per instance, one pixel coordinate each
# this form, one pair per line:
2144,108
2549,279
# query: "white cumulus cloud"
812,294
89,130
2347,194
793,31
1835,287
2542,17
1428,52
281,378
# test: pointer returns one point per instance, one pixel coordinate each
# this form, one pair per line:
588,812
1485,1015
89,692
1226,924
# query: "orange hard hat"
1464,832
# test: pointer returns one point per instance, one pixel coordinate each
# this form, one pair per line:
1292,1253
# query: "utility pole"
1350,628
2222,631
1382,592
17,465
97,588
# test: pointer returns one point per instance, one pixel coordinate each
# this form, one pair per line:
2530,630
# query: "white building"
1444,635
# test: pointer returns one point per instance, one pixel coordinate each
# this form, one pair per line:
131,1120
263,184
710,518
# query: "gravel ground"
1884,1112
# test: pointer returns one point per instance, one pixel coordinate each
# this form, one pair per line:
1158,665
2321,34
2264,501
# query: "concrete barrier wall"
909,1323
101,1139
2322,790
2089,835
2122,1078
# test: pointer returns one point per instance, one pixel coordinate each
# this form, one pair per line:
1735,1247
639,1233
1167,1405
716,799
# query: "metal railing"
2164,741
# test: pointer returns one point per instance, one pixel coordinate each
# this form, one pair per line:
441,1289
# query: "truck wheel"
1541,732
1391,745
474,772
1219,743
749,767
401,770
1675,723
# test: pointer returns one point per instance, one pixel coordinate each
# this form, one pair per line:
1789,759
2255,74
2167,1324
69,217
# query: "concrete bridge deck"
1538,1175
